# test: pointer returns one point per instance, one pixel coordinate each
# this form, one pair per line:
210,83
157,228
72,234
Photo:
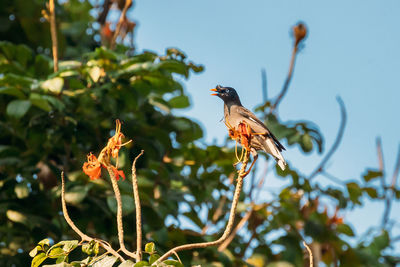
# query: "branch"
53,31
239,226
309,253
264,86
287,81
379,152
248,214
299,33
336,144
138,210
119,213
228,228
390,195
79,232
216,214
122,17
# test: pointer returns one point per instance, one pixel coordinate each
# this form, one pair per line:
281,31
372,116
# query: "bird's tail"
271,148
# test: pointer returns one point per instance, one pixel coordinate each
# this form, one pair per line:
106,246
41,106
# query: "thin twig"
53,31
332,178
239,226
390,195
216,214
138,210
83,236
228,228
309,253
379,152
122,17
248,214
119,213
287,81
264,86
336,144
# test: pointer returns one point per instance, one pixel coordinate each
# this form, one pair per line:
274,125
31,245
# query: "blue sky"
352,50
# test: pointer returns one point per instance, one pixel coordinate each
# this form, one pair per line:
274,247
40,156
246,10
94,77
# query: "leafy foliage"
50,121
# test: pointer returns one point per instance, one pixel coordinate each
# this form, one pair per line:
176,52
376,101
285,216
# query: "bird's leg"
255,157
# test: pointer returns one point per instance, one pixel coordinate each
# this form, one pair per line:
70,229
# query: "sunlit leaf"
18,108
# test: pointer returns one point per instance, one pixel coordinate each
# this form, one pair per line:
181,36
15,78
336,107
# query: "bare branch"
287,81
379,152
53,31
122,18
264,86
309,253
138,210
239,226
336,144
216,214
119,213
228,228
390,195
83,236
299,33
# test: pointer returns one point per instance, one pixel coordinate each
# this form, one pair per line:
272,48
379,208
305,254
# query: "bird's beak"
214,90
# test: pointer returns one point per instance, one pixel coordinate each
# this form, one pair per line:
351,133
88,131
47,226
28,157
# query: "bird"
235,114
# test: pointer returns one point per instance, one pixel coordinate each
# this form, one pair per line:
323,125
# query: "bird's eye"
227,90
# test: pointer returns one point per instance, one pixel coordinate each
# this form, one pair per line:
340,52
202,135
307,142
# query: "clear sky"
352,50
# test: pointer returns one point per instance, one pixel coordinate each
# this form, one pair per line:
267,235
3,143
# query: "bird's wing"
254,120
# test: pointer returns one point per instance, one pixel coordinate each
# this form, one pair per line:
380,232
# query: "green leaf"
34,251
372,174
181,101
53,85
345,229
153,258
280,264
44,242
173,263
141,263
306,143
149,248
69,245
127,263
40,102
17,216
22,190
62,264
355,192
13,92
127,204
77,194
107,261
160,103
95,73
372,193
38,259
18,108
55,252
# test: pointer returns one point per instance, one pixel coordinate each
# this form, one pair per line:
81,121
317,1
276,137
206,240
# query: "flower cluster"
92,167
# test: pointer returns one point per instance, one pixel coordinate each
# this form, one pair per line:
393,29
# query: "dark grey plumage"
235,113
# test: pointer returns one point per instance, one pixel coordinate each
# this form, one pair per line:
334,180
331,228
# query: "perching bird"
235,113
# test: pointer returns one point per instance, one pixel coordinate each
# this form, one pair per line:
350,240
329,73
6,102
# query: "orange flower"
244,134
118,173
92,167
115,142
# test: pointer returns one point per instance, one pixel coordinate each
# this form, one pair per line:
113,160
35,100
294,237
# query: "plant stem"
138,210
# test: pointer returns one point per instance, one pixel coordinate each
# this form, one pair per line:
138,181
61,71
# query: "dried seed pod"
299,32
